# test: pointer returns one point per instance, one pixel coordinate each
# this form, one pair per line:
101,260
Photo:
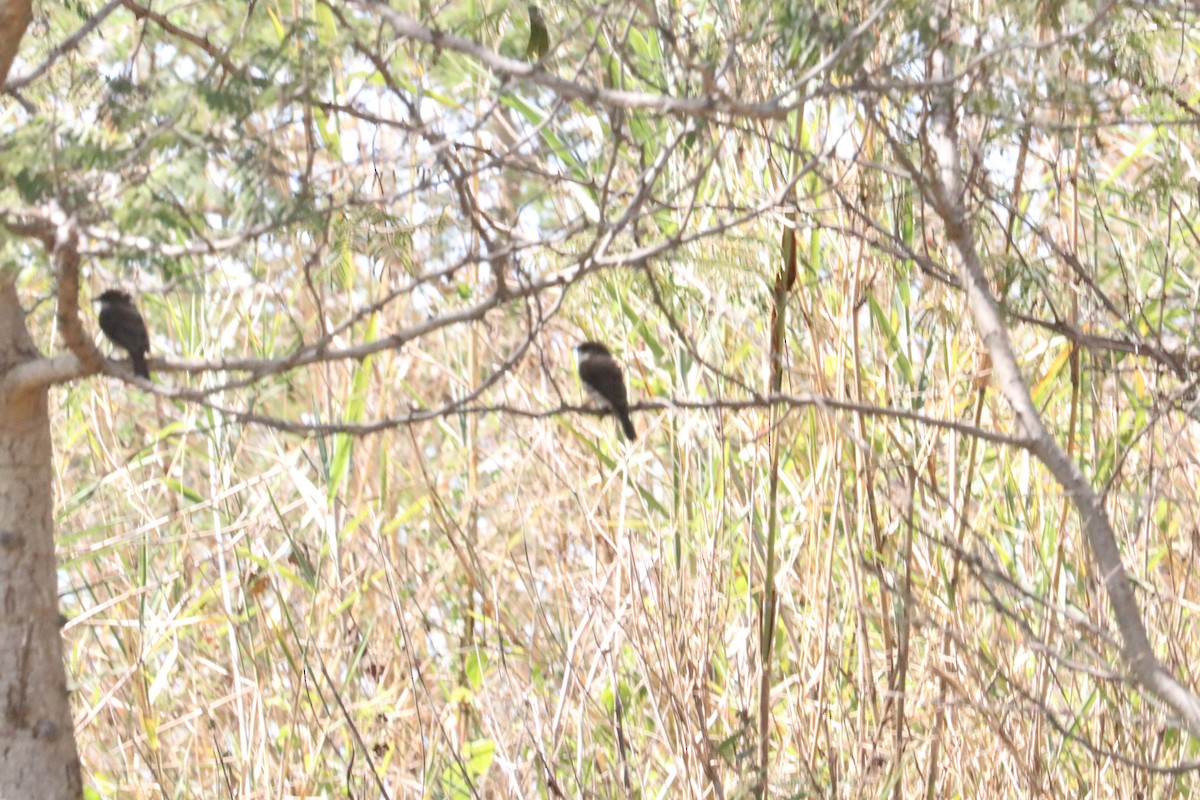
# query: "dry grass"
506,603
505,606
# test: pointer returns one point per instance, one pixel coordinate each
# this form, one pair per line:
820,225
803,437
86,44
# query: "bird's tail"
139,365
626,425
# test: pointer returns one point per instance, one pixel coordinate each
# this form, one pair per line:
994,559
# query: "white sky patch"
844,132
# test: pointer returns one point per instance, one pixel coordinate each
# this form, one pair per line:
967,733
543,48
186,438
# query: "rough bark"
14,18
38,758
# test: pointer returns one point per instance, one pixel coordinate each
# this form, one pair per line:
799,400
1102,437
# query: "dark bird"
602,378
121,322
539,36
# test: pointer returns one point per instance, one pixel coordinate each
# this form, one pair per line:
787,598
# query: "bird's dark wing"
605,378
122,323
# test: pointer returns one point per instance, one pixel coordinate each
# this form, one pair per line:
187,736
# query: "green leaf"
476,759
900,361
475,668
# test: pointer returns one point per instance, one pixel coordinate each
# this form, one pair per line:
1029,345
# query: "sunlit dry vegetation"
367,538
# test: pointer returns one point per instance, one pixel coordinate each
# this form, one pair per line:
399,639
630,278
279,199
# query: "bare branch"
65,255
947,193
462,407
201,42
707,106
61,49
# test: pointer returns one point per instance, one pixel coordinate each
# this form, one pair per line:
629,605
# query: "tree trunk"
38,758
14,18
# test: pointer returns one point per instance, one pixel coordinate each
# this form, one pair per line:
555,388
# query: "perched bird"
121,322
539,36
601,376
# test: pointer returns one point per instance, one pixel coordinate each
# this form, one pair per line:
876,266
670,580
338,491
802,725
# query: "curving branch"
946,192
65,256
68,45
59,234
201,42
718,104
